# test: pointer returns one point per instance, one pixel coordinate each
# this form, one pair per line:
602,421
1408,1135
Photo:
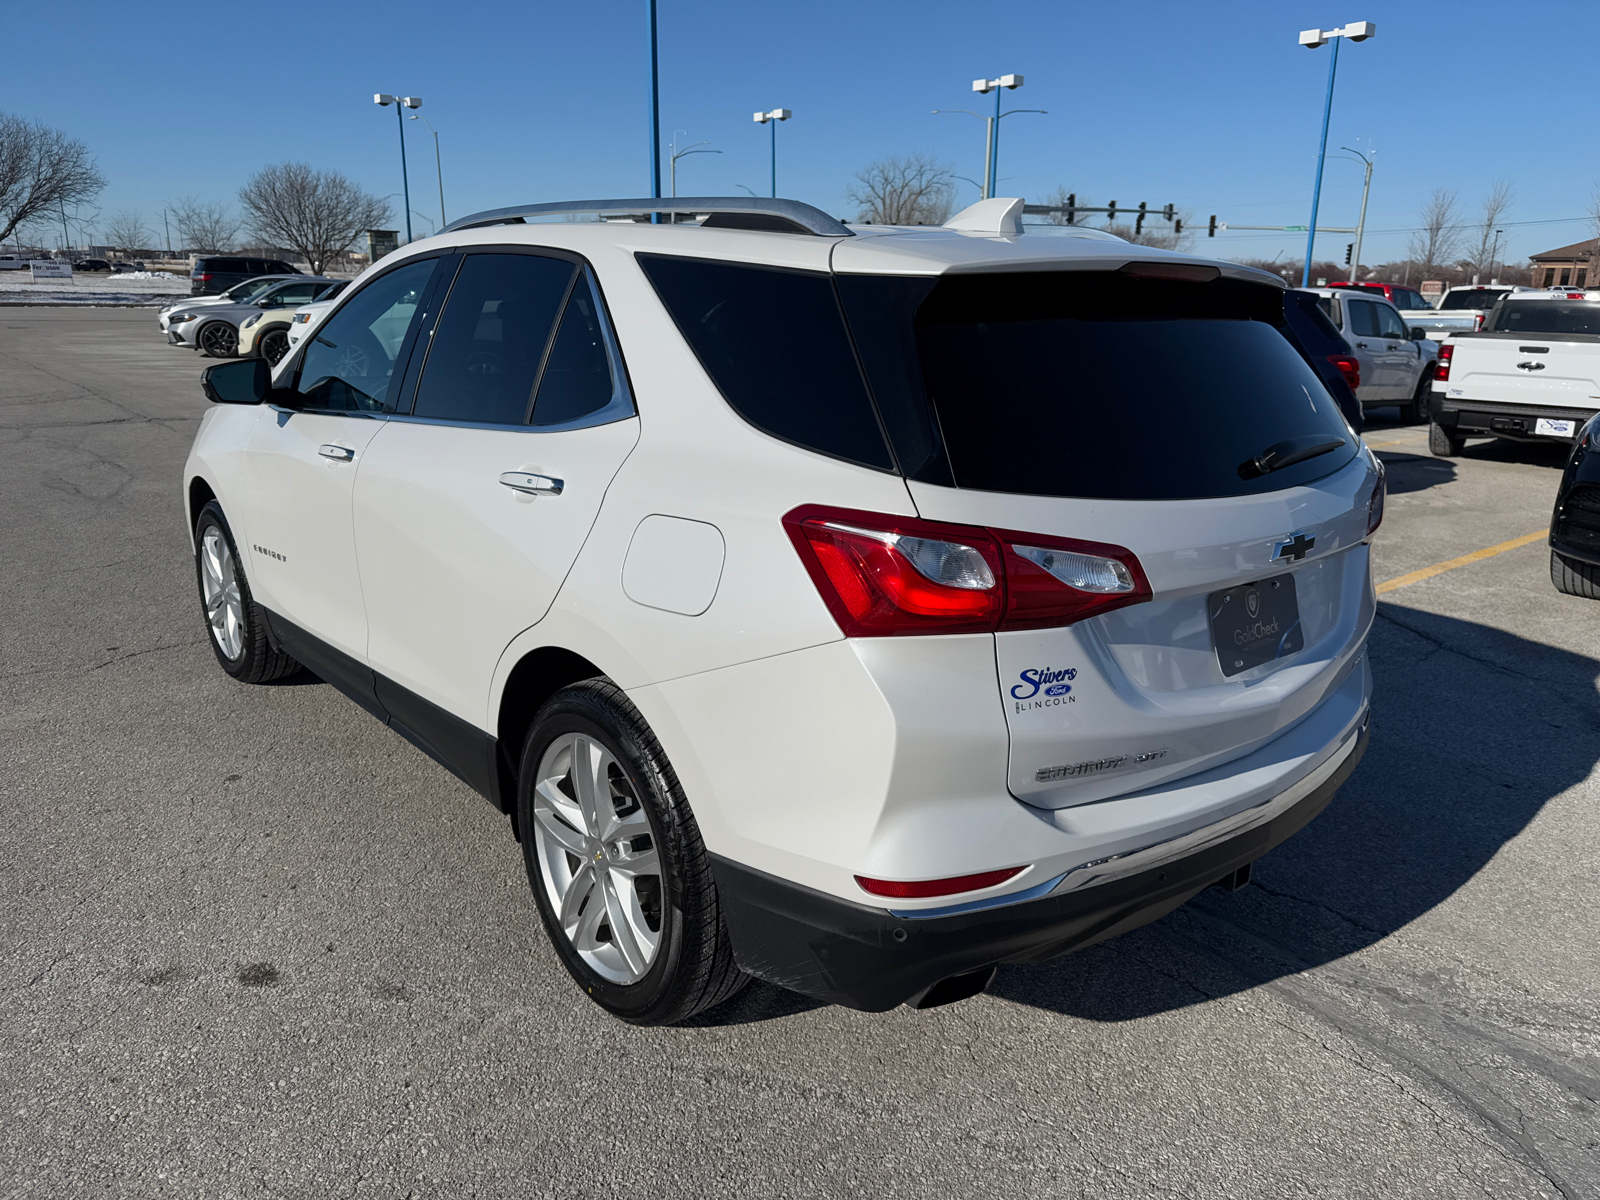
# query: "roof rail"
740,212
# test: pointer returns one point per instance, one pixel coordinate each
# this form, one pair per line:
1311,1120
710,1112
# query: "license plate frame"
1255,623
1555,427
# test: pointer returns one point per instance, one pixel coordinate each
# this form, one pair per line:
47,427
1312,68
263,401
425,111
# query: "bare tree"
1434,244
318,213
127,231
208,228
1480,260
42,171
913,190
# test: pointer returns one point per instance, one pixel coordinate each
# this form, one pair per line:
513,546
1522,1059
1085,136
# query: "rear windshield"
1547,316
1471,298
1093,384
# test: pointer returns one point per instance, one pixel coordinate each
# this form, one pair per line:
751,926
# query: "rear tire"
236,623
1442,443
1573,577
619,873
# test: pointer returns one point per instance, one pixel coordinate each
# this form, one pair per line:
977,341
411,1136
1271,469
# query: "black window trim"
621,407
855,355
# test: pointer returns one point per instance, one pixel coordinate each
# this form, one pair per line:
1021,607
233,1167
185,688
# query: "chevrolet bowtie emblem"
1294,548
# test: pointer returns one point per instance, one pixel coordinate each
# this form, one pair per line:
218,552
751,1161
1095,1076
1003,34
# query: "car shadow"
1551,453
1420,817
1415,472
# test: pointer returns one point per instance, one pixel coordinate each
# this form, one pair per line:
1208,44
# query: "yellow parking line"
1464,560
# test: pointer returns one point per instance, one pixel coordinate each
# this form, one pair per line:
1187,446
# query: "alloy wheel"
598,858
219,340
219,580
274,345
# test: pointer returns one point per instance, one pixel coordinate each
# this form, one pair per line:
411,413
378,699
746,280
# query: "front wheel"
619,873
237,625
274,345
1442,443
1416,410
219,340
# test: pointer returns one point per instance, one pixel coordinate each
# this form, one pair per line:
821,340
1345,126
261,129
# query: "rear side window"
492,337
1547,316
577,377
774,343
1103,386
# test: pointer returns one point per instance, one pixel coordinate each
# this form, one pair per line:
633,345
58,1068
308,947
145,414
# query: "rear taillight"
1446,353
1380,491
883,576
1349,367
203,278
921,889
1477,322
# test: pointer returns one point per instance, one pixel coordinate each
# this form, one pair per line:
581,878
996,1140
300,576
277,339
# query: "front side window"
1389,323
1362,318
491,338
350,363
294,293
774,343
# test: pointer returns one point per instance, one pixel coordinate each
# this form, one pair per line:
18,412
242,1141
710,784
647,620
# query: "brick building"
1568,266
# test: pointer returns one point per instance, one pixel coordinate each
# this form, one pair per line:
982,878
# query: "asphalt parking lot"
253,943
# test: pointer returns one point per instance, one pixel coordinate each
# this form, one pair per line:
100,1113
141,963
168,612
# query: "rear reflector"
1349,367
1446,353
921,889
884,576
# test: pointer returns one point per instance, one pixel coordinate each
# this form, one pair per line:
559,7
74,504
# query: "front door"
470,510
303,460
1402,359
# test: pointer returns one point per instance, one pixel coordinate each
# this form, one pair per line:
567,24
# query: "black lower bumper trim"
1484,418
869,959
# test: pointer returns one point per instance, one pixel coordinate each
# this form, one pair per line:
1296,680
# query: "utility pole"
168,229
1361,222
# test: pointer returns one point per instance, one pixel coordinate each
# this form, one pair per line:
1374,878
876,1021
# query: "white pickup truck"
1532,374
1460,310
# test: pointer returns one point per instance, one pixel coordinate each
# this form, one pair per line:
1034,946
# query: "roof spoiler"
724,212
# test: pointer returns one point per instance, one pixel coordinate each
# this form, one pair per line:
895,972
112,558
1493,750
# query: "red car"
1401,297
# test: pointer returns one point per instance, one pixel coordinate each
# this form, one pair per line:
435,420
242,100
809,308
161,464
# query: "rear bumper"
873,959
1487,418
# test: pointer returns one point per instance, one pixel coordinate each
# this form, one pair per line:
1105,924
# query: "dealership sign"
52,269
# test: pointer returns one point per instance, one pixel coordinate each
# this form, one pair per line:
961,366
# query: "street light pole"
687,150
383,99
771,119
1361,222
1356,31
655,111
437,165
991,157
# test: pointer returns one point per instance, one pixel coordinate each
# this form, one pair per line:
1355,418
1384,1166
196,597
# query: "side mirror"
1418,334
247,381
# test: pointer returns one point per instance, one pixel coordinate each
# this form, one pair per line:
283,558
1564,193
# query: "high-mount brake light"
1446,353
1349,367
884,576
1188,272
922,889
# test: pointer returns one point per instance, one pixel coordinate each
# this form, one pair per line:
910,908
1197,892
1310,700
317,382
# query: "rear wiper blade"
1287,453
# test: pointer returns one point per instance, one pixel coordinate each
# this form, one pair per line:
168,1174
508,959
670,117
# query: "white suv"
856,608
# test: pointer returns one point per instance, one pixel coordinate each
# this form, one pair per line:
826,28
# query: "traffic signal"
1111,213
1213,232
1349,248
1138,224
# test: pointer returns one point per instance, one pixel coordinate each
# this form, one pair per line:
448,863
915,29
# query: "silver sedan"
213,329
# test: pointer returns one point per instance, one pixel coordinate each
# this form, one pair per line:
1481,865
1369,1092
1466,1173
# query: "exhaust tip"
954,988
1234,880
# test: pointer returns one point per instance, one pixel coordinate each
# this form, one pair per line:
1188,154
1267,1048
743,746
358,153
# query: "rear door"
471,508
1151,441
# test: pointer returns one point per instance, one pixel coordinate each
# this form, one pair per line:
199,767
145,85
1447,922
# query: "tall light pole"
1494,252
991,149
383,99
1356,31
655,111
771,119
686,151
437,166
1361,224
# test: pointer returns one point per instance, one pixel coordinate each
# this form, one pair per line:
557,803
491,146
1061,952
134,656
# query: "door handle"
532,485
1361,345
339,453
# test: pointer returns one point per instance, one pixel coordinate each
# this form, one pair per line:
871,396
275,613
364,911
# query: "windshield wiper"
1286,454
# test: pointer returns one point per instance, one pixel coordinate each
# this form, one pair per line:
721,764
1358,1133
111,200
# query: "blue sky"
1211,107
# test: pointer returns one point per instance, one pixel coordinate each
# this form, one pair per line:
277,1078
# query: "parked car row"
250,320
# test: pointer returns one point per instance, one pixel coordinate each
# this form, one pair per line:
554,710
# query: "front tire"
1573,577
274,344
1442,443
218,340
1415,412
619,873
236,623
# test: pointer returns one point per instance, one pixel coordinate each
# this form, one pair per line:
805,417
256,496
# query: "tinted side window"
234,266
1361,320
491,338
350,363
1389,323
297,293
577,380
775,345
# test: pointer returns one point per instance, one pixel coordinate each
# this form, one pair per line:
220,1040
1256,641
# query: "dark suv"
218,273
